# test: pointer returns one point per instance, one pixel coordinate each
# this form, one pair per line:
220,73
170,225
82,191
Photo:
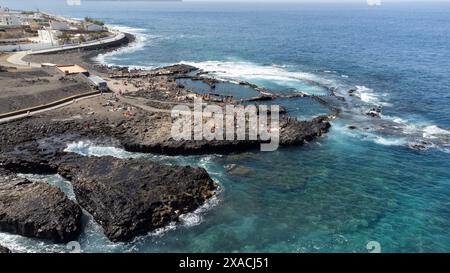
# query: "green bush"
93,21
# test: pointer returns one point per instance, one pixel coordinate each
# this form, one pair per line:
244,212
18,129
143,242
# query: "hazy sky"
316,1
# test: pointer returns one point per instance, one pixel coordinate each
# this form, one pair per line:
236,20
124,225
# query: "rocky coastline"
127,197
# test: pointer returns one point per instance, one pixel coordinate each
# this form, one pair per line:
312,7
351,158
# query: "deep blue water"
337,193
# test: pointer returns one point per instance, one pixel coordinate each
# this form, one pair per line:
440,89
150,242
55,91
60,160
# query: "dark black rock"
38,210
177,69
133,197
292,132
295,132
4,249
26,164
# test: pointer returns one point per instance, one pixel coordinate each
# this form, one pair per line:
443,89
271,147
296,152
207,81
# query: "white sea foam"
416,135
401,123
367,94
280,65
434,132
421,129
399,120
195,218
390,141
248,71
141,40
87,148
20,244
371,136
186,220
54,180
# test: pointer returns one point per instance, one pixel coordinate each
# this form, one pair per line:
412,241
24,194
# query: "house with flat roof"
98,83
70,69
93,27
58,25
9,20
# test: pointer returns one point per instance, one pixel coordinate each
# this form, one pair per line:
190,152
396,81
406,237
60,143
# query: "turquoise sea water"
335,194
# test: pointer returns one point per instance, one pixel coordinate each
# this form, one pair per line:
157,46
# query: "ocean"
386,181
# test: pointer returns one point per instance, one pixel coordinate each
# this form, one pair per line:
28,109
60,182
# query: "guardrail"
41,48
48,105
88,45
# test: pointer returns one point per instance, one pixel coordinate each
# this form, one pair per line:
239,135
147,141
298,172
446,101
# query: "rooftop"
71,69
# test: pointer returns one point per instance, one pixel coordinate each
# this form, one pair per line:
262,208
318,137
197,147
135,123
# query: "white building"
32,16
47,36
56,25
93,27
9,20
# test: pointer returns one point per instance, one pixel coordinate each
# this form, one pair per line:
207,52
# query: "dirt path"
134,102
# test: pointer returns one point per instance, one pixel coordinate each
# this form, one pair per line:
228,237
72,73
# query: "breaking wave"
395,131
265,75
88,148
273,76
434,132
21,244
369,96
141,40
390,141
388,131
248,70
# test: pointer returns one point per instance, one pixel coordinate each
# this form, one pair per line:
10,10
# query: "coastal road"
16,60
117,37
13,60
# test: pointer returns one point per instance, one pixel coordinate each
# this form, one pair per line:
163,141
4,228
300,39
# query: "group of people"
375,112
